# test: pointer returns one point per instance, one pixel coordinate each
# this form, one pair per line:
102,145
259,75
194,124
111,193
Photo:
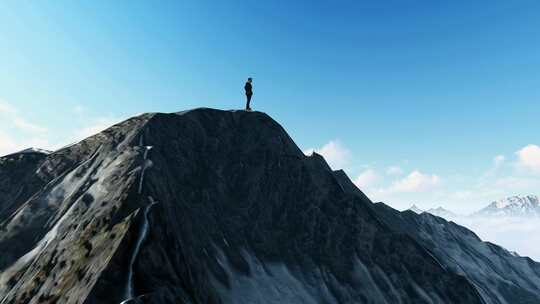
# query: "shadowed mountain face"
499,275
206,206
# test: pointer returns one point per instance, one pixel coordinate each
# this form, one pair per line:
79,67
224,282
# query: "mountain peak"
213,206
415,209
526,205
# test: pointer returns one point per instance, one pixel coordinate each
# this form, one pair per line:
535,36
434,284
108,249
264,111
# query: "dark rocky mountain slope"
499,275
209,206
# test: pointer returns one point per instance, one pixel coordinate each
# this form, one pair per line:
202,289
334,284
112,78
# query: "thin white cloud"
10,144
79,109
416,181
26,126
516,183
7,144
394,170
335,154
99,125
498,160
6,108
367,179
11,115
24,134
529,158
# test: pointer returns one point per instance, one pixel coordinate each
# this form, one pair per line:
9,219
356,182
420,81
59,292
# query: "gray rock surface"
206,206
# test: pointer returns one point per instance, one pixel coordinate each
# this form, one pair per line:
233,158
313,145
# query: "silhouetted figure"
249,92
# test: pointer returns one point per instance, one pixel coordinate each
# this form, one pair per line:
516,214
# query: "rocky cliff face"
205,206
75,210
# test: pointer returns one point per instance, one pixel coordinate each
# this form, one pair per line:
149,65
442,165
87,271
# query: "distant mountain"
415,209
515,206
441,212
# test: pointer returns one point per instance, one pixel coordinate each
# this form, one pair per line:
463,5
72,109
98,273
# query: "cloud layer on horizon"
515,234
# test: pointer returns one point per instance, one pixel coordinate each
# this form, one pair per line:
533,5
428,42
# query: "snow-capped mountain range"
515,206
439,211
520,206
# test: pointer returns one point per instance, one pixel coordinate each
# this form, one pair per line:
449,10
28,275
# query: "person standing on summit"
249,92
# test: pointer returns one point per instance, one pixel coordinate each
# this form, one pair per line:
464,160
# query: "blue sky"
419,101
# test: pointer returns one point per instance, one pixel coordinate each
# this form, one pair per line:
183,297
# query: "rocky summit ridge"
212,206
